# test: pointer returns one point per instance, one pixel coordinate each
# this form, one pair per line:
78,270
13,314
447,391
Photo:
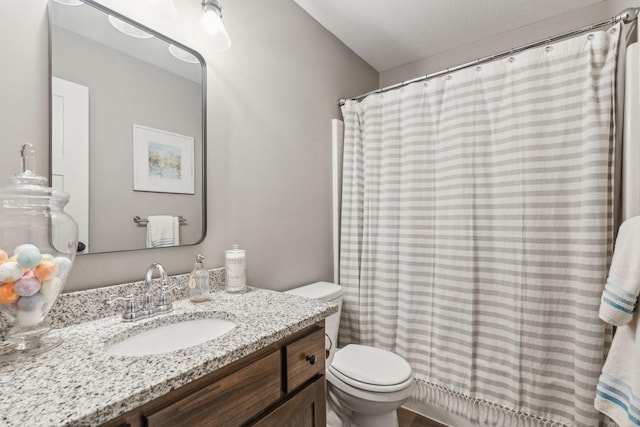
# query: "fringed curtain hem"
478,410
481,411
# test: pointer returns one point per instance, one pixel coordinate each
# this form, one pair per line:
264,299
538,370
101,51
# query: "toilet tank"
330,292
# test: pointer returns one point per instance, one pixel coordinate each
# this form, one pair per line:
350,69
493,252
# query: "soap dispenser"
199,282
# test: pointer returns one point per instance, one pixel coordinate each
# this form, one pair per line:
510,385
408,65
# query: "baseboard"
410,418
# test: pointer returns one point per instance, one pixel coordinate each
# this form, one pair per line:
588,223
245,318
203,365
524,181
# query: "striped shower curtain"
477,228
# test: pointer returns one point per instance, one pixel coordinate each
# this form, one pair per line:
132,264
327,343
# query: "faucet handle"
130,308
164,304
166,288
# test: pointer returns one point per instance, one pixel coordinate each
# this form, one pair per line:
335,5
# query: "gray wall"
271,99
124,91
503,42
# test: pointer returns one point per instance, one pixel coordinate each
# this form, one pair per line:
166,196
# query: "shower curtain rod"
627,16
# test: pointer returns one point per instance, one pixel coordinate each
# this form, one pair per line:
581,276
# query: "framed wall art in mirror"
121,93
162,161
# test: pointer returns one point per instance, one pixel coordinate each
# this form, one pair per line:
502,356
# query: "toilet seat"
371,369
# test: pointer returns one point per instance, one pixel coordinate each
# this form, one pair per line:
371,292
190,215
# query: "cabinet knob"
311,359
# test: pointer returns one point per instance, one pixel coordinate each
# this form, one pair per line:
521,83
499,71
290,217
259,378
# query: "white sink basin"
172,337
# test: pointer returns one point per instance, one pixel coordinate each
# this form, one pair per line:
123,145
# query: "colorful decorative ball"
29,256
45,270
10,272
7,294
64,265
51,288
27,318
31,303
27,246
27,285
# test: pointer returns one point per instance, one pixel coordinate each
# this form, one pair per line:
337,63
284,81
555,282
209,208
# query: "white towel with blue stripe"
163,231
618,392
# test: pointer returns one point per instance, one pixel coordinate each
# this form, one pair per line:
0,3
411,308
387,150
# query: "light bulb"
212,25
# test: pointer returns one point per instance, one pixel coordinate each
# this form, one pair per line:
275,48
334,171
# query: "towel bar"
141,221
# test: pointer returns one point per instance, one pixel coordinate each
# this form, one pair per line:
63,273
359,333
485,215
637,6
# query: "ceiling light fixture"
183,55
212,25
69,2
128,29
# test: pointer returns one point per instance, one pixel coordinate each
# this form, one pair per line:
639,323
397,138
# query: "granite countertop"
77,383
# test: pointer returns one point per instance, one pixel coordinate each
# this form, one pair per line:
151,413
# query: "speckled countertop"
77,383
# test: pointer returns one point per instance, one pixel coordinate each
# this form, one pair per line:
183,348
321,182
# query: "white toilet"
365,385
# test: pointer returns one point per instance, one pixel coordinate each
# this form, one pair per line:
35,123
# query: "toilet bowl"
365,385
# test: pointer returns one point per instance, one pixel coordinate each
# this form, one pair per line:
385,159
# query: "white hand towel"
623,285
162,231
618,391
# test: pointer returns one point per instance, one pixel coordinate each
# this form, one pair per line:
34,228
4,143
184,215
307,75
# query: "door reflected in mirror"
110,78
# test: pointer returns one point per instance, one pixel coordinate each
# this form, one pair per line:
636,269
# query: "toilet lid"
324,291
367,367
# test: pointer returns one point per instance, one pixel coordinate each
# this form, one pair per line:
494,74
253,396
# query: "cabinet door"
306,408
228,402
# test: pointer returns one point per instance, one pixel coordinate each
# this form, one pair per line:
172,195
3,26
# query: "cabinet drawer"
303,359
227,402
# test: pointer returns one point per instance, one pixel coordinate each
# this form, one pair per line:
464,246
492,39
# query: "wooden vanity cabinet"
280,385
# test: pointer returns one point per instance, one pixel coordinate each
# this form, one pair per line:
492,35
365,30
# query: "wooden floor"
407,418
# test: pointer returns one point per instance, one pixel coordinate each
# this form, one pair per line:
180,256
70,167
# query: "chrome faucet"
147,303
148,309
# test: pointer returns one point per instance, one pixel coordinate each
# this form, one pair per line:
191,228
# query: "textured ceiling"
391,33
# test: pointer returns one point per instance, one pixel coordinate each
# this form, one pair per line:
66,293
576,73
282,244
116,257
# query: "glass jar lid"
30,189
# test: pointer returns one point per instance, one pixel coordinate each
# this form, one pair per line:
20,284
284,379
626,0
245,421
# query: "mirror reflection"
127,130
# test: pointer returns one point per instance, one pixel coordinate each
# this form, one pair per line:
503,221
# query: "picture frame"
163,161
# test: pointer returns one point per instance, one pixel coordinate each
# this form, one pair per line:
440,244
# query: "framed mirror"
128,108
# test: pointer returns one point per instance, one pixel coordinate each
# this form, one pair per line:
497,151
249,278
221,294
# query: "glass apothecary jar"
235,265
38,243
